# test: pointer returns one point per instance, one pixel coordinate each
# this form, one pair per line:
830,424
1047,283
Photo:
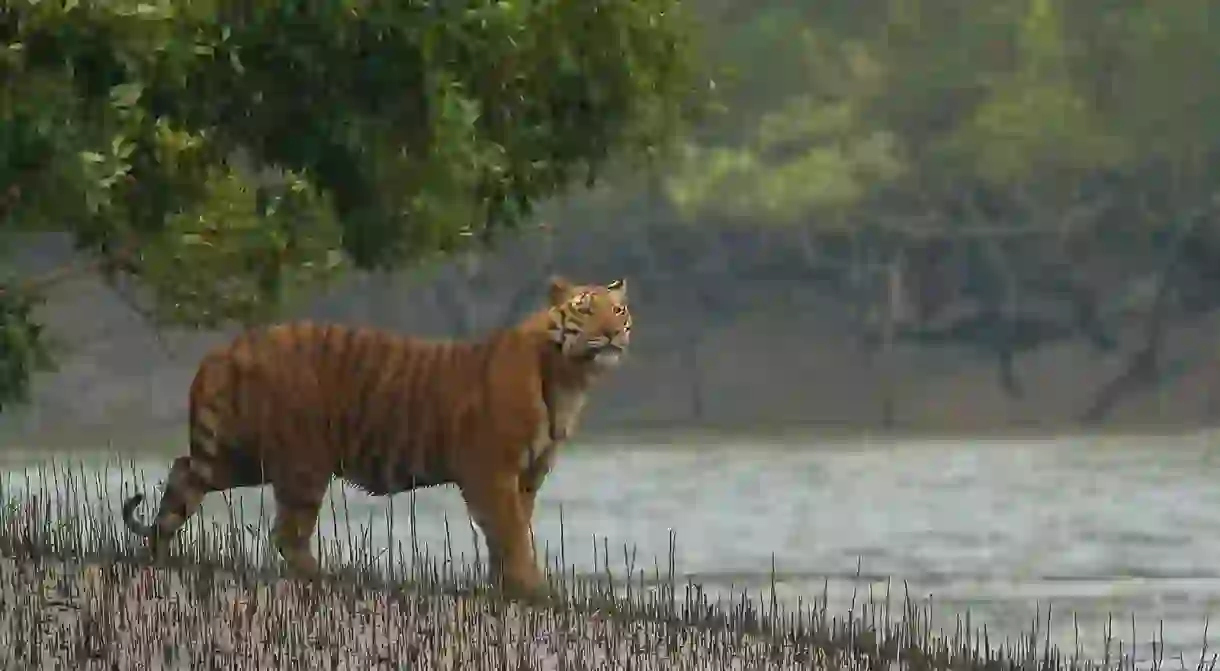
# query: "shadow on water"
1099,527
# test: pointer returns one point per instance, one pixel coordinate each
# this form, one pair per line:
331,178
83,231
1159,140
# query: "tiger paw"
534,592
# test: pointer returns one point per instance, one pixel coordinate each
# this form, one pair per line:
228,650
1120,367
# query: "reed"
76,593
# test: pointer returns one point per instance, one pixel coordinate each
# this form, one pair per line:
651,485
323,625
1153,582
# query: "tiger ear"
619,289
559,290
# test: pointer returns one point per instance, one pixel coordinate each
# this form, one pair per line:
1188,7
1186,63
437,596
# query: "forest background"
887,215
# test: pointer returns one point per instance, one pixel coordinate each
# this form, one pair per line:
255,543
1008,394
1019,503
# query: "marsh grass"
75,592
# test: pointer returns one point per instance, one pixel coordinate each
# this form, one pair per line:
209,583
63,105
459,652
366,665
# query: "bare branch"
1143,367
146,315
108,268
108,264
1004,343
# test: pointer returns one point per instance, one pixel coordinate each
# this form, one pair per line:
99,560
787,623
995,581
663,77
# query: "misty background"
906,216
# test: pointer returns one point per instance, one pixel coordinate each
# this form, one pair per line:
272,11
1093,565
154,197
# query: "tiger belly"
387,473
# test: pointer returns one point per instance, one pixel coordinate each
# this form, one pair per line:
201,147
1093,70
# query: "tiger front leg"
532,477
497,506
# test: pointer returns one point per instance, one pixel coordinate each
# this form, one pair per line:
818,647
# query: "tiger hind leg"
211,465
298,501
190,479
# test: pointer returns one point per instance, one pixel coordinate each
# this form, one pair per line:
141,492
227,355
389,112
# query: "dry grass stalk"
75,593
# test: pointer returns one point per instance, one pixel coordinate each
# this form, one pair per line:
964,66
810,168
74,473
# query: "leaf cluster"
891,107
24,346
225,153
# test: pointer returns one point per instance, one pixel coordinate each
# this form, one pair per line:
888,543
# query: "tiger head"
590,323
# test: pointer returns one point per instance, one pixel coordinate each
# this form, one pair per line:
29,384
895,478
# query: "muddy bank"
124,616
75,591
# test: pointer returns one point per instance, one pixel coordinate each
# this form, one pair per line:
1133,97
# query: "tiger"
298,403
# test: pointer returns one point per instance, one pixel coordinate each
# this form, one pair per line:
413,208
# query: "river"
1096,526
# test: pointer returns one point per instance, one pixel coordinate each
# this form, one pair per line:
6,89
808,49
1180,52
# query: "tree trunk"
894,311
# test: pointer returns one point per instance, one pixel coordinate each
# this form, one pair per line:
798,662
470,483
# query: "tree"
223,154
983,160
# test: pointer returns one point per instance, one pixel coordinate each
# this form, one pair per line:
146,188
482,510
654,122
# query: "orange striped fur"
295,404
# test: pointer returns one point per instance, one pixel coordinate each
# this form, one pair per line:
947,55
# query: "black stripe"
324,362
361,369
341,404
391,428
369,381
347,341
201,431
173,501
369,418
324,345
234,384
421,425
193,479
201,450
300,337
485,353
433,438
401,428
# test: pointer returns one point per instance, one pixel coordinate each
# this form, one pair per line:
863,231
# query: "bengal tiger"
295,404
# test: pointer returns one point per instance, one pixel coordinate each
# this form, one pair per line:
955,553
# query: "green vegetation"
224,154
1002,173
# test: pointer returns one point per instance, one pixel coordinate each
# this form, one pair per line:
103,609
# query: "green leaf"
352,135
126,95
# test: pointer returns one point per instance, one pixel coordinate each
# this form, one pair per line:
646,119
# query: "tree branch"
1143,369
66,272
1004,342
107,267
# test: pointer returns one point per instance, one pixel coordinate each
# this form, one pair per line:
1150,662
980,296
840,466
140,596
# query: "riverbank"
73,592
118,614
121,615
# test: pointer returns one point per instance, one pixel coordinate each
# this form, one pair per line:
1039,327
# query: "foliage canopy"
876,104
224,152
971,167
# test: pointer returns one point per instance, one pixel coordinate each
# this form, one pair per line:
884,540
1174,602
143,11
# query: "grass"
76,593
